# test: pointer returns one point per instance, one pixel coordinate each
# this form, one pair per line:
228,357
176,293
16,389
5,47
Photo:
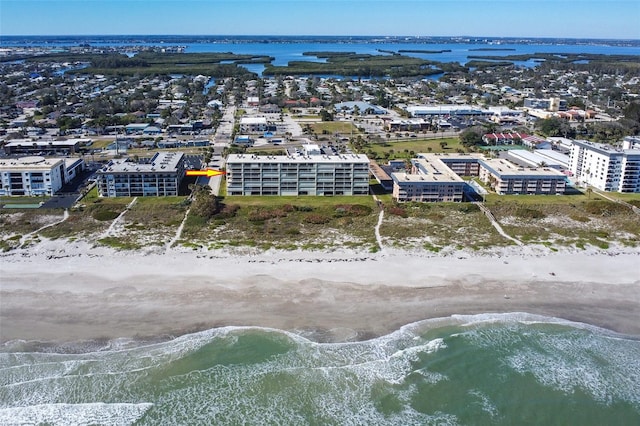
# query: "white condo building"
158,177
35,175
605,167
297,175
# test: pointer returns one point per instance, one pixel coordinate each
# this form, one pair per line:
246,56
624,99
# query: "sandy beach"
69,292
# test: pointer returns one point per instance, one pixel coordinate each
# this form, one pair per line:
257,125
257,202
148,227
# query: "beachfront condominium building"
506,178
430,180
297,175
31,176
605,167
437,177
159,176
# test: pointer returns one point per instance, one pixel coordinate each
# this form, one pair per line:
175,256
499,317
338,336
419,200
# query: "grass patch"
431,226
580,223
119,244
104,214
395,149
265,222
331,127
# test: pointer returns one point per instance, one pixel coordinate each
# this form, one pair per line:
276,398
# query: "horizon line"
322,35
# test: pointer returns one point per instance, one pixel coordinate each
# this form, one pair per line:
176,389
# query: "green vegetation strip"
365,65
21,206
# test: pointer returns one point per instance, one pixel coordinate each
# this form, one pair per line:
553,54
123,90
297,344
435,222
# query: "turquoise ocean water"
502,369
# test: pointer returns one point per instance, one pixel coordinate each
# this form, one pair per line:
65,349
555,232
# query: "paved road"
225,128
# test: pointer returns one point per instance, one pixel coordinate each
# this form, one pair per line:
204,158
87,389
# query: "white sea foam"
331,381
74,414
604,367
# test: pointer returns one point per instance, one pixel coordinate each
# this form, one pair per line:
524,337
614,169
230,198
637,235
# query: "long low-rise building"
536,159
27,146
160,176
508,178
297,175
441,110
33,176
437,177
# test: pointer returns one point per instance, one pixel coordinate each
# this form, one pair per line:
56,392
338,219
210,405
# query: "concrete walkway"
495,223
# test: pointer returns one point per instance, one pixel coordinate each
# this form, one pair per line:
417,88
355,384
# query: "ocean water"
501,369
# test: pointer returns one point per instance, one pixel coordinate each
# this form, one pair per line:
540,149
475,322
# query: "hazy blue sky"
527,18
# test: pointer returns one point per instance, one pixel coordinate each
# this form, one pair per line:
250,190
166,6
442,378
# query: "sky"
610,19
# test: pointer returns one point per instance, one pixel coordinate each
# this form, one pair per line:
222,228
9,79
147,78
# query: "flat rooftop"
536,159
298,159
454,156
504,168
555,155
430,169
161,162
378,171
253,120
606,149
44,143
29,163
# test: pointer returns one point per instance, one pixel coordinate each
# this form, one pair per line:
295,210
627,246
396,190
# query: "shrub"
397,211
317,219
227,211
527,213
262,215
604,208
352,210
103,215
579,218
468,208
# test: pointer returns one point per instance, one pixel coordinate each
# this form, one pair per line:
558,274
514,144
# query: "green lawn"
404,149
22,200
101,143
495,199
311,201
333,127
624,196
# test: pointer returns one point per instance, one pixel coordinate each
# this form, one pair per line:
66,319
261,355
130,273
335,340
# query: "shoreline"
59,292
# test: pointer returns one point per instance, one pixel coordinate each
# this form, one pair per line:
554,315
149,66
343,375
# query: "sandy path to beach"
80,298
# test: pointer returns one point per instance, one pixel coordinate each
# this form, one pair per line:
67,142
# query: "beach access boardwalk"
379,223
116,221
24,238
496,224
635,209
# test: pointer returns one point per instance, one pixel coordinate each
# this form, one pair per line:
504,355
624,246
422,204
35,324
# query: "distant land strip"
491,49
425,51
